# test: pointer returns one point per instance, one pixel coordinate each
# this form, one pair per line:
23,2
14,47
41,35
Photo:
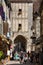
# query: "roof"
35,2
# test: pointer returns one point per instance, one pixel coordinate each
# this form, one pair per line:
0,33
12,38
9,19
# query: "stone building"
1,26
21,23
41,23
39,32
4,18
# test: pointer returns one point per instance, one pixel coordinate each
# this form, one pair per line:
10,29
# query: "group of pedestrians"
21,56
36,57
33,56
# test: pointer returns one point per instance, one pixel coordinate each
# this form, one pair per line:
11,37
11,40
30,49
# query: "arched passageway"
20,43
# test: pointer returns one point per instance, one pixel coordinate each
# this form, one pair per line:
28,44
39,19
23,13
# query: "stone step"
12,62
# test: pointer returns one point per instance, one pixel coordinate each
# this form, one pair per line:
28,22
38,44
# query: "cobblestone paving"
15,63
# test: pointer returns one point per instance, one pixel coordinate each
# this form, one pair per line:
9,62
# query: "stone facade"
6,22
24,19
41,22
1,25
37,26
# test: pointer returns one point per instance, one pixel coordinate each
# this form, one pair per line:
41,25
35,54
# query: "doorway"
20,43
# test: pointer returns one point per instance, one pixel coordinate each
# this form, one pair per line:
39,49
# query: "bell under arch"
20,43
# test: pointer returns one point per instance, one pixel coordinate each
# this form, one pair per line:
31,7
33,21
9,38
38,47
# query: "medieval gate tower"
21,23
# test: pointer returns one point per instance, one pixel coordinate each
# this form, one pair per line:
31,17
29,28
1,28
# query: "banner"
2,13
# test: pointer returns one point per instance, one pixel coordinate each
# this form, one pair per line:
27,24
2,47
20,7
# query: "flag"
2,13
3,16
1,9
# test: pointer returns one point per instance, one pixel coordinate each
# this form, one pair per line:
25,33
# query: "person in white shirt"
8,54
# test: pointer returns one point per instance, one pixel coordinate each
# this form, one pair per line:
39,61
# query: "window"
19,11
19,27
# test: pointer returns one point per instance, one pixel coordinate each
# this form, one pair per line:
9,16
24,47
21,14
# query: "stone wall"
25,19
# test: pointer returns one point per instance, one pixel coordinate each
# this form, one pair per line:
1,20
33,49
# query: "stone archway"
20,43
